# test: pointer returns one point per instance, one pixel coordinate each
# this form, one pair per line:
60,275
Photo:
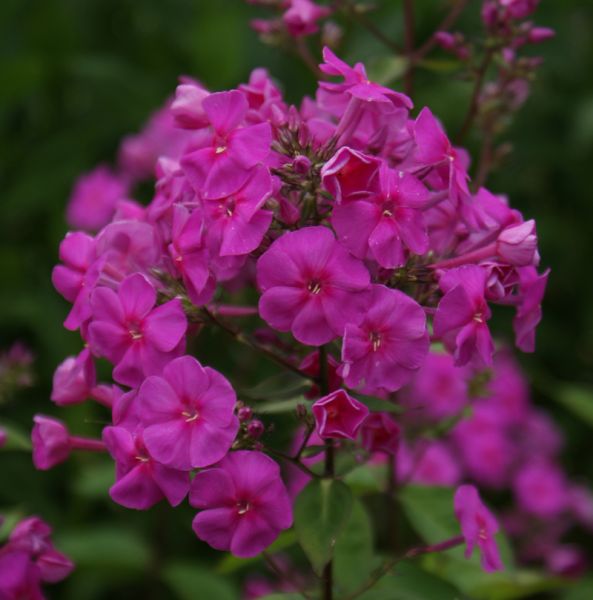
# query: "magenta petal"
212,487
187,377
225,176
67,281
169,443
109,339
241,237
251,145
225,110
278,306
136,489
209,444
158,401
386,246
354,222
216,527
310,326
165,326
137,296
252,535
106,305
174,484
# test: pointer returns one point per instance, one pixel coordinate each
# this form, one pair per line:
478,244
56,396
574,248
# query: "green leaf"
190,581
577,399
430,512
386,69
311,451
107,548
10,519
93,482
367,478
353,554
281,406
321,511
407,581
230,563
279,387
378,405
581,590
16,438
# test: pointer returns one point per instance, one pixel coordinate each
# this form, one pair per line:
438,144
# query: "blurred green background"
77,75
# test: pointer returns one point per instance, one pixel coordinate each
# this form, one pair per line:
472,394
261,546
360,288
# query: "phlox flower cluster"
352,219
28,560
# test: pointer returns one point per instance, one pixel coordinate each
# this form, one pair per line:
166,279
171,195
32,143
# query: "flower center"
479,317
220,149
190,415
243,506
375,338
142,459
135,332
314,286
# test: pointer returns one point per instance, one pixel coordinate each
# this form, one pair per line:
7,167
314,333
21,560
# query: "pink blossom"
32,535
438,390
187,107
351,175
76,277
141,481
311,286
188,415
517,244
190,254
51,442
478,527
541,489
244,503
222,167
384,350
19,576
302,16
385,225
428,463
529,312
339,415
380,433
356,85
94,199
74,379
461,316
129,331
237,223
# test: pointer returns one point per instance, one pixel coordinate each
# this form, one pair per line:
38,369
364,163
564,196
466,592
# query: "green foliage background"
76,75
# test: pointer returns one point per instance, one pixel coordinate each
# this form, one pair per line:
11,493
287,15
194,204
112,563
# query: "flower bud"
540,34
301,164
255,429
339,415
73,379
245,413
3,436
187,107
517,245
51,442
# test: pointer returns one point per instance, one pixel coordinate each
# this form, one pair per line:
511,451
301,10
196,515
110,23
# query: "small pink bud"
540,34
517,245
445,40
339,415
255,429
3,436
301,164
245,413
73,379
187,107
51,442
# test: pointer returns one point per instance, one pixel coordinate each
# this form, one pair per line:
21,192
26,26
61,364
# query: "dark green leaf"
578,399
279,387
190,581
16,438
321,511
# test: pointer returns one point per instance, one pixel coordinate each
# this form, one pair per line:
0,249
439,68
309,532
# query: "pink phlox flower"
237,223
138,337
351,175
33,535
478,527
141,481
188,415
339,415
357,85
19,576
517,245
94,198
311,286
302,17
438,390
389,344
428,463
75,278
433,148
380,433
541,488
387,225
223,167
529,312
190,255
243,503
461,316
74,379
264,99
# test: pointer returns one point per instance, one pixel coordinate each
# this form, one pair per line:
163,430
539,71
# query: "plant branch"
285,576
